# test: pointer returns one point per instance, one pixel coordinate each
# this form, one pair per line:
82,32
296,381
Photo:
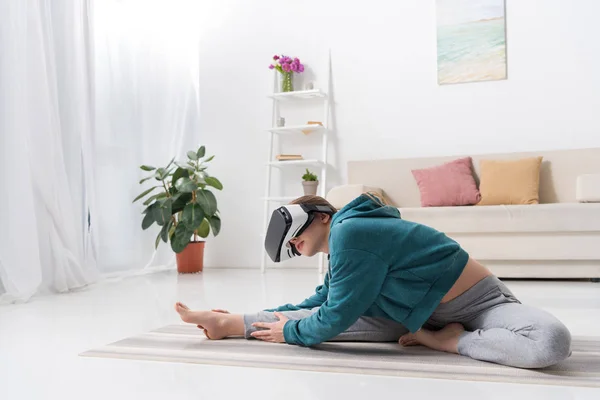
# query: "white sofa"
558,238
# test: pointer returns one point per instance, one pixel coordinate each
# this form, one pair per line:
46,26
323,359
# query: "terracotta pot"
310,187
191,259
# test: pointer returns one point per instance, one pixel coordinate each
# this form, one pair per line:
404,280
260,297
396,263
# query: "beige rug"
186,344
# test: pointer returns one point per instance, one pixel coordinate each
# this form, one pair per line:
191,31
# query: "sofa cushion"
449,184
510,181
588,188
559,217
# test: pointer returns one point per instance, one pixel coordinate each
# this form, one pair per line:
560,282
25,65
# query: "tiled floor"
40,342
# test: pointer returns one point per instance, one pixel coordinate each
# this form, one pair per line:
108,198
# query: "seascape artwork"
471,41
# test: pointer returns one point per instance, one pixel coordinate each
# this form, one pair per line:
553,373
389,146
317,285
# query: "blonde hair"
315,201
320,201
377,197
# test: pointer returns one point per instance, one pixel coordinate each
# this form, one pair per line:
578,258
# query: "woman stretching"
391,279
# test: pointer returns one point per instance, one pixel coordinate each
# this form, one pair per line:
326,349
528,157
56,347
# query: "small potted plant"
310,183
287,66
185,209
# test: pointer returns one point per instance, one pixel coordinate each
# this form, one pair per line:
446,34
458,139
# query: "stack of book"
288,157
307,131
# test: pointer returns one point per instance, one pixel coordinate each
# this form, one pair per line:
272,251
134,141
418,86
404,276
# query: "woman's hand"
274,330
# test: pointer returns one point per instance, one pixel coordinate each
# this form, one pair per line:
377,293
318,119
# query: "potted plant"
185,208
287,66
310,183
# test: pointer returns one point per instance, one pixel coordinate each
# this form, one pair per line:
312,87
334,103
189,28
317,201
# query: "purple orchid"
271,66
286,67
275,57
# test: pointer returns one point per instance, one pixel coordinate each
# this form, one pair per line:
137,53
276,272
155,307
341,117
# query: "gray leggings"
499,328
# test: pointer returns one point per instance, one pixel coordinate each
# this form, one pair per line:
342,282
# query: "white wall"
387,101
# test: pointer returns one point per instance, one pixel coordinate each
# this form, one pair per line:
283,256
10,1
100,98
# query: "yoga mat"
187,344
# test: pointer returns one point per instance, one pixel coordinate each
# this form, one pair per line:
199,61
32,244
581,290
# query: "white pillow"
588,188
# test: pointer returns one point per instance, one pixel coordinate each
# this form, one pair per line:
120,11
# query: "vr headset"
288,222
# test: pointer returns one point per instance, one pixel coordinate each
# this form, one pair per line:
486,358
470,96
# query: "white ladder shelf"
298,96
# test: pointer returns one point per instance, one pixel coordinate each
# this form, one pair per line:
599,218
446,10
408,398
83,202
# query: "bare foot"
442,340
213,323
408,341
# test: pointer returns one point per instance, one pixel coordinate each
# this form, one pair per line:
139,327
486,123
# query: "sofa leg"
595,280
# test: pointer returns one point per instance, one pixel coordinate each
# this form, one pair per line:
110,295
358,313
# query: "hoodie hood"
364,206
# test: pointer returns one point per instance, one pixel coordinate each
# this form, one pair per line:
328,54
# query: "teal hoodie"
380,266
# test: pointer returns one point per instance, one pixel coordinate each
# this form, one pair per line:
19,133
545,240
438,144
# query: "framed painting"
471,41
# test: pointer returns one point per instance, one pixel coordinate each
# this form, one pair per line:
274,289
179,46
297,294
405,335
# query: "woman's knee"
553,346
561,341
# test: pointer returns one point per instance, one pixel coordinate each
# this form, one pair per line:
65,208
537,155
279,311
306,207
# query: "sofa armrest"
339,196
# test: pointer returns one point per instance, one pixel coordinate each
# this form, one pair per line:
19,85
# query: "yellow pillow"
510,182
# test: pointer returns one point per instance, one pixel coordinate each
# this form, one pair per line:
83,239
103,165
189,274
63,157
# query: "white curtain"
146,81
45,139
89,90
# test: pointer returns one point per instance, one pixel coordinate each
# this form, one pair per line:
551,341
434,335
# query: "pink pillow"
450,184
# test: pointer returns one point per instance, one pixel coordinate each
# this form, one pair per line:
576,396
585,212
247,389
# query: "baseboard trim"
574,269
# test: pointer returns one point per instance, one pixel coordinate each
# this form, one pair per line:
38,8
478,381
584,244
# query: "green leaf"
309,176
215,223
171,171
147,168
173,198
164,232
162,214
168,205
181,202
170,162
201,152
161,174
180,238
155,197
207,200
185,185
172,229
192,155
214,182
193,215
149,200
145,179
148,221
157,241
145,192
204,229
149,208
209,159
199,179
180,173
186,167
